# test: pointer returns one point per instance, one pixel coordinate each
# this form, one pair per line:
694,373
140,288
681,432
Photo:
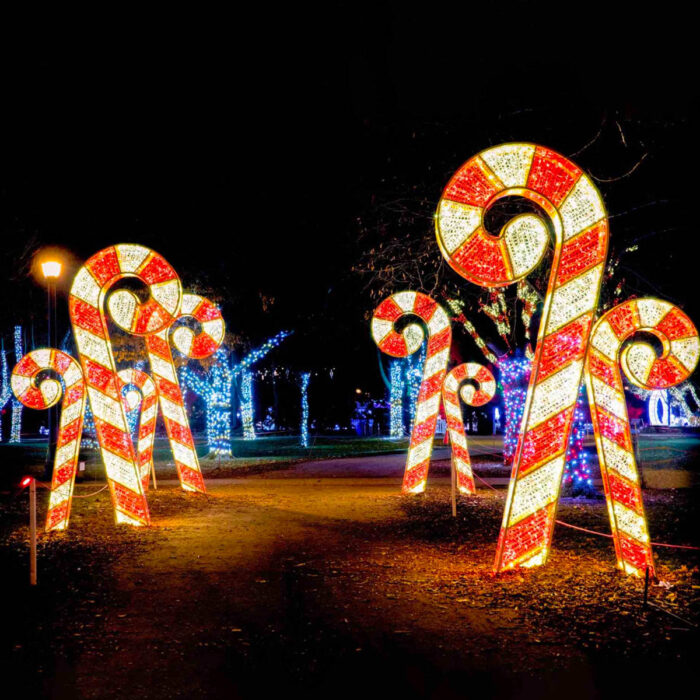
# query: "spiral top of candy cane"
208,341
567,195
471,395
42,393
411,338
639,361
139,380
107,267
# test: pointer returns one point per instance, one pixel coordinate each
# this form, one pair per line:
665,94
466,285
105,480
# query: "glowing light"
26,481
396,399
305,377
455,386
197,346
247,405
577,218
140,399
44,394
51,269
16,427
659,400
216,387
609,411
406,343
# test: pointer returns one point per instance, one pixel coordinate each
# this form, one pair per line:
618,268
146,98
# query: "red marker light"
26,481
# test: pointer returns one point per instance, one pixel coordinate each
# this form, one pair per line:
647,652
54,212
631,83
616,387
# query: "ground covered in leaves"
340,586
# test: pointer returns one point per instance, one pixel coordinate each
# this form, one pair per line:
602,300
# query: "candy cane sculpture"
37,392
680,351
579,223
88,296
172,404
135,380
403,344
452,389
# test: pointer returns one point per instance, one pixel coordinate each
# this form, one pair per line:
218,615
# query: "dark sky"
245,147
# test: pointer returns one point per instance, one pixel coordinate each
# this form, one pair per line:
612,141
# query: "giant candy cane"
35,391
455,386
172,405
403,344
679,356
88,297
134,379
578,221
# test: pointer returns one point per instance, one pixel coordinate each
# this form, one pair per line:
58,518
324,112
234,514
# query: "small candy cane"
172,404
579,223
134,380
404,344
35,392
472,396
88,293
681,349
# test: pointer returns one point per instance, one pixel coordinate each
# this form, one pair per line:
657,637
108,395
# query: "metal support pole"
32,532
453,475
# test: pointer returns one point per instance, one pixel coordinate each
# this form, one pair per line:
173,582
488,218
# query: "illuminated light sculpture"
455,386
172,404
607,352
396,399
403,344
305,378
89,319
578,220
16,427
35,391
139,392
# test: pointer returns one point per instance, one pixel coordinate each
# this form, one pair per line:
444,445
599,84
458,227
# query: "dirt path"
338,586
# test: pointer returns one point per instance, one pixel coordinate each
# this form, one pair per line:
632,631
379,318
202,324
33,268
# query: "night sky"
249,148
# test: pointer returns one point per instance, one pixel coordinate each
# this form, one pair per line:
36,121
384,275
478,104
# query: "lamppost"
51,269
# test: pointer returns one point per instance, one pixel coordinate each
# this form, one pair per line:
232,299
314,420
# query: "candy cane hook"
455,386
403,344
35,392
577,218
134,379
606,354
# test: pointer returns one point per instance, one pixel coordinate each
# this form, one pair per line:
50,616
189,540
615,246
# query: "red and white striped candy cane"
88,293
36,392
404,344
455,386
134,380
172,404
639,361
577,218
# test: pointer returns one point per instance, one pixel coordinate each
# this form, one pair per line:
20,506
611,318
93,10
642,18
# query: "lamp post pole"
51,271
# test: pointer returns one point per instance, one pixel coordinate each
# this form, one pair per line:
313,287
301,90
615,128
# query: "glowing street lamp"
51,269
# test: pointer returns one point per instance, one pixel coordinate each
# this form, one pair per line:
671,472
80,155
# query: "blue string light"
305,377
16,429
247,405
396,399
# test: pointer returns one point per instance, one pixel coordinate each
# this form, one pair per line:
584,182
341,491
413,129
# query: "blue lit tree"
216,387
